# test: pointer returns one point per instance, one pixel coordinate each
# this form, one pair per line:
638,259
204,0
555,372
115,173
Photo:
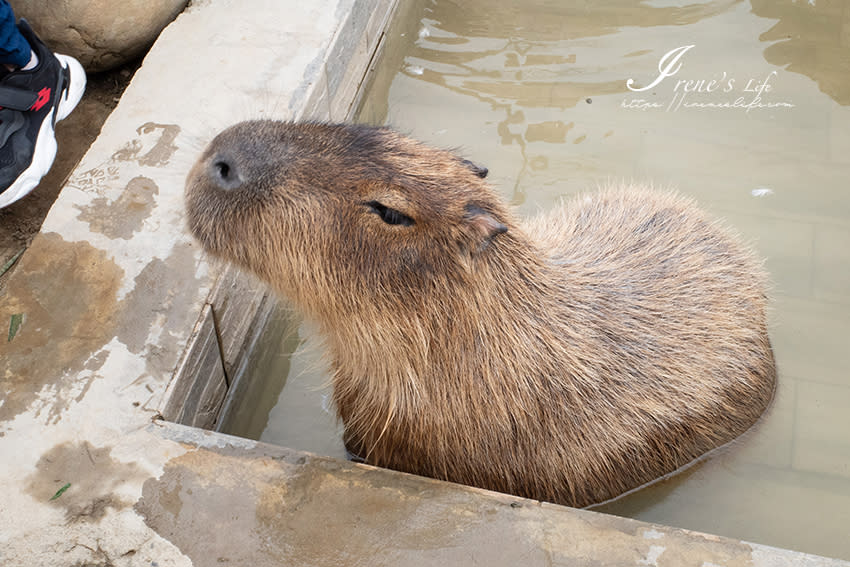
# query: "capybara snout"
233,158
568,357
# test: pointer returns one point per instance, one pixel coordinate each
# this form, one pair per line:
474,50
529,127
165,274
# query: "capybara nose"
224,173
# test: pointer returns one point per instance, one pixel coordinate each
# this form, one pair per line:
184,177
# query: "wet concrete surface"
126,215
95,476
60,334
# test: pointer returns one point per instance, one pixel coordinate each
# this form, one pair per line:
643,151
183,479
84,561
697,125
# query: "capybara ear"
484,226
478,170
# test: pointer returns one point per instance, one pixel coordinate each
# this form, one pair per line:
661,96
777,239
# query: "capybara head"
318,207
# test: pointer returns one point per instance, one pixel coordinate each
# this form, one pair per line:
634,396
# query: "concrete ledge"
124,319
259,505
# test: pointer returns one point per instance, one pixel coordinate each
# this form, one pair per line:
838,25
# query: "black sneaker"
31,102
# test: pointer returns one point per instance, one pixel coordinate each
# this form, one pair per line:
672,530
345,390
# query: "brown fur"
569,358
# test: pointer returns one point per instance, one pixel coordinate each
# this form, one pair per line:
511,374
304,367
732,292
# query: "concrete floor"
108,296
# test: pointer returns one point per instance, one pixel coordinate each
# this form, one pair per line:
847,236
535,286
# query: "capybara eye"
389,215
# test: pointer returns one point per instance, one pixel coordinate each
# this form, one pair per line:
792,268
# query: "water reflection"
524,61
553,20
522,54
811,38
519,53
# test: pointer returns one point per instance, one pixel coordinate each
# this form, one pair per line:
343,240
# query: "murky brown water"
537,91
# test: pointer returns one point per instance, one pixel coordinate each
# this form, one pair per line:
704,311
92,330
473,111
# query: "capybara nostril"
224,174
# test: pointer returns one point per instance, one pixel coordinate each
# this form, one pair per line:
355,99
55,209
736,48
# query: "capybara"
568,358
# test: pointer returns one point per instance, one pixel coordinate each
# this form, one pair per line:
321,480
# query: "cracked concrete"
113,291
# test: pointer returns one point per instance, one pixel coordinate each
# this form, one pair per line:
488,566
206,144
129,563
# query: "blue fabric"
14,48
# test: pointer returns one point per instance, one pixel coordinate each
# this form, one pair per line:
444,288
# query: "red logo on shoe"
43,98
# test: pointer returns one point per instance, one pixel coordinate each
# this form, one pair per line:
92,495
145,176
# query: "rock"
100,34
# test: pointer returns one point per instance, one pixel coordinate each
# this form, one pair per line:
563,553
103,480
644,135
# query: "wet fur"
567,358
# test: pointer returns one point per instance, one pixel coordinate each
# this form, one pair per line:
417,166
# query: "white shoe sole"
75,90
